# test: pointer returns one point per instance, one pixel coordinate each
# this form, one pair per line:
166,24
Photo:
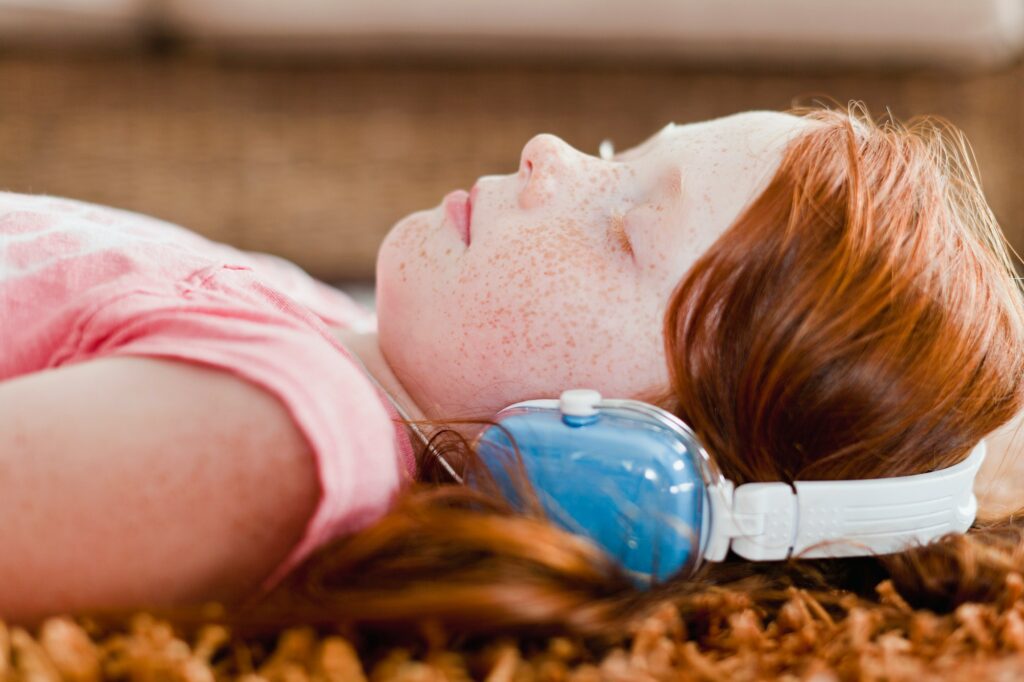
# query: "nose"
544,161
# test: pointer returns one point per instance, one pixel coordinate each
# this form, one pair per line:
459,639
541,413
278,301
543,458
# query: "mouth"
458,208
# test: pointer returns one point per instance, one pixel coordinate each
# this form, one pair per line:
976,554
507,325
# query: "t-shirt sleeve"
220,322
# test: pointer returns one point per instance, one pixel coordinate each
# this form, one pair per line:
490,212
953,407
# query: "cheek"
543,313
528,313
668,247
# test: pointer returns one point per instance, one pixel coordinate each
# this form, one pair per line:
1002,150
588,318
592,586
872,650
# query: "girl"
817,295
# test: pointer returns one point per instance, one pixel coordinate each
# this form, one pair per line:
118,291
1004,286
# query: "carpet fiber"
723,637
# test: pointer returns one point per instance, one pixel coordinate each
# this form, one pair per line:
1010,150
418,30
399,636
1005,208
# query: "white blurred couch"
964,34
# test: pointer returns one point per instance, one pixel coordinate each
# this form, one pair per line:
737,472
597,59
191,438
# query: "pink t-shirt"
80,281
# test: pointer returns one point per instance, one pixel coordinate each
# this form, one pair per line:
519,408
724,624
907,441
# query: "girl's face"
568,266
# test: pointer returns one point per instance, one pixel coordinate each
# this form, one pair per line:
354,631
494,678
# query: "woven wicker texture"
315,160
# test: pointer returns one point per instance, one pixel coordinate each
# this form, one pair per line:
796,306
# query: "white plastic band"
845,518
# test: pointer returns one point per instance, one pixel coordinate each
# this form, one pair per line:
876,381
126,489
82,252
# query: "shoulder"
201,479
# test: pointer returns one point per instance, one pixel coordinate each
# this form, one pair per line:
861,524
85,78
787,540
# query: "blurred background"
307,128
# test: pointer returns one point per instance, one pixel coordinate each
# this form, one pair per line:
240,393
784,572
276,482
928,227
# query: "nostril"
529,166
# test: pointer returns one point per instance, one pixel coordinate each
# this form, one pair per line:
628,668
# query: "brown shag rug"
725,638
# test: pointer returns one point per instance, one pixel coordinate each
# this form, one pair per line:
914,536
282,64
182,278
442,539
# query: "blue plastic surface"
627,482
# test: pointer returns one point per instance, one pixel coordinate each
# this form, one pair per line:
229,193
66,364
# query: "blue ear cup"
622,473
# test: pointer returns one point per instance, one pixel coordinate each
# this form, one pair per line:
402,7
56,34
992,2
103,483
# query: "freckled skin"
571,262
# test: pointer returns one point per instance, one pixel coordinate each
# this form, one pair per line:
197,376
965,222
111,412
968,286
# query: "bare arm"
132,481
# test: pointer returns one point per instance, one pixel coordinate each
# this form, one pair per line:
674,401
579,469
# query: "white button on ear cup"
579,402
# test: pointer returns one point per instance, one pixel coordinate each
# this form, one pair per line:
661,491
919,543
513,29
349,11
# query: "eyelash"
639,149
606,151
617,233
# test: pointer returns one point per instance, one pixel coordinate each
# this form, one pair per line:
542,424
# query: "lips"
458,207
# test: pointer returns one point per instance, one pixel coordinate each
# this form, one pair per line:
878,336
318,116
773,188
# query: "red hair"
860,319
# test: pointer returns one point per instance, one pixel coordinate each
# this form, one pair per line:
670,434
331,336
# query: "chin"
388,275
390,335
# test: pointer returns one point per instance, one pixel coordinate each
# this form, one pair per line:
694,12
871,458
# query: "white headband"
766,521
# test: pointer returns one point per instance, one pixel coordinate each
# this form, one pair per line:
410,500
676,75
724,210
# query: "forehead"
722,161
752,132
723,164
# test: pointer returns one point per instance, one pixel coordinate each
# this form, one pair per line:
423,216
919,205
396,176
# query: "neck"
364,345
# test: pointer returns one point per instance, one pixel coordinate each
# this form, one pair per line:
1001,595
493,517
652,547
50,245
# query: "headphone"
636,480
